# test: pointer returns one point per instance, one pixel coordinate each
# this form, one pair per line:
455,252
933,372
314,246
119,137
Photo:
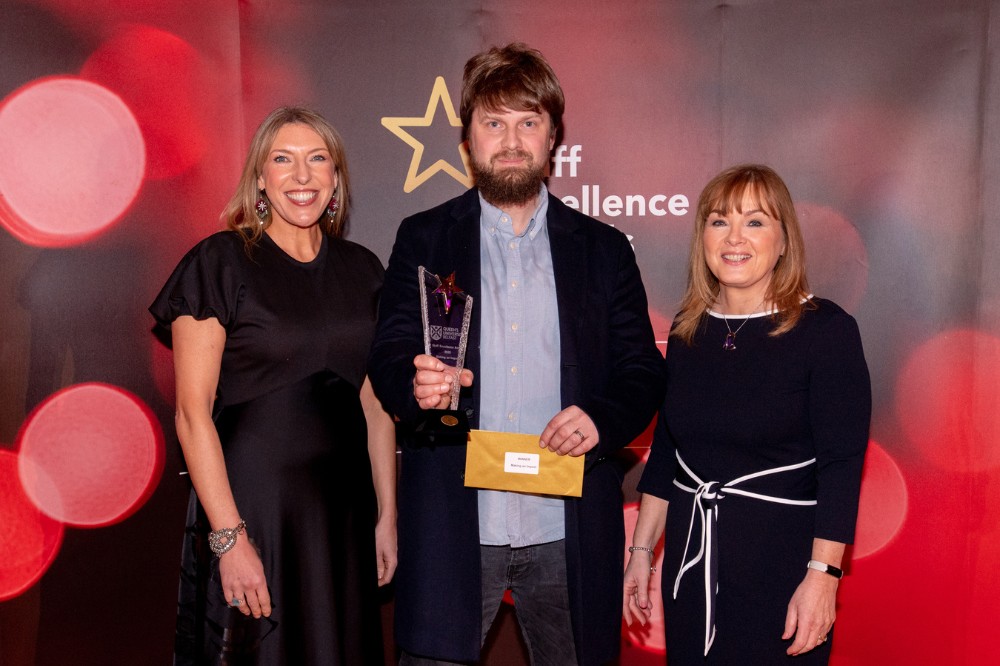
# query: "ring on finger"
583,438
236,602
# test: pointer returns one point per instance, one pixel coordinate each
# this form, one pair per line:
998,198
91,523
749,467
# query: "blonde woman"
291,524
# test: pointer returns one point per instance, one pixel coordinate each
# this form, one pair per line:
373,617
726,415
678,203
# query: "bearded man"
560,345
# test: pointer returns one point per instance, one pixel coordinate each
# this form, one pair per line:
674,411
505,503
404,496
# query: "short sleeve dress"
294,438
770,437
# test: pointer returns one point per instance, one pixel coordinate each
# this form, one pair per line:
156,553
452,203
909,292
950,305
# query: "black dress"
772,403
294,439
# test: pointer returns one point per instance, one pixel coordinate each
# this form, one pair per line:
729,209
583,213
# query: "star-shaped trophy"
446,311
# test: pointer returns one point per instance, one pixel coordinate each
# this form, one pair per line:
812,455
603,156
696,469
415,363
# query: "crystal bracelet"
632,549
222,541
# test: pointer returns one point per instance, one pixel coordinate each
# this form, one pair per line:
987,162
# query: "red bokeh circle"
883,504
948,400
73,162
90,455
159,75
836,256
29,540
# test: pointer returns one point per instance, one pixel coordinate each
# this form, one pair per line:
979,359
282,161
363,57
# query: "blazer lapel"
569,263
463,244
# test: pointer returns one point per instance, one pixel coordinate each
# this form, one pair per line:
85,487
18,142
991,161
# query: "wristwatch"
825,568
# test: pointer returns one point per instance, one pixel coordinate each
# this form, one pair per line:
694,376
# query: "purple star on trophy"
448,288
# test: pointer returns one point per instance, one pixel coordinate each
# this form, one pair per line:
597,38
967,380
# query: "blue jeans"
536,577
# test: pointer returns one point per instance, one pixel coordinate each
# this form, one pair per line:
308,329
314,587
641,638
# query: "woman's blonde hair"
240,214
788,289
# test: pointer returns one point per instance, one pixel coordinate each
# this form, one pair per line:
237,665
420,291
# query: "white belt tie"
706,507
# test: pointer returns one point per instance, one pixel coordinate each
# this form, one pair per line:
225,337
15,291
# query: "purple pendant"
730,343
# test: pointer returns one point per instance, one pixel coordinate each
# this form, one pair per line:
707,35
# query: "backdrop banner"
123,127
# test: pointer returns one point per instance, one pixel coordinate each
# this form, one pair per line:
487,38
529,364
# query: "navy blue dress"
772,403
294,438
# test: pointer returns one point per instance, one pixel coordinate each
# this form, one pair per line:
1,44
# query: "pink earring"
332,207
262,208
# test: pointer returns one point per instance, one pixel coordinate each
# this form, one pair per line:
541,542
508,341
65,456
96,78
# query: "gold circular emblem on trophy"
449,420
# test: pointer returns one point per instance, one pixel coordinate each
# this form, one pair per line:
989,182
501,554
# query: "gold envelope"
512,461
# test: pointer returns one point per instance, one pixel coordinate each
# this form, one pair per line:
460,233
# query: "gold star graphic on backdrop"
414,176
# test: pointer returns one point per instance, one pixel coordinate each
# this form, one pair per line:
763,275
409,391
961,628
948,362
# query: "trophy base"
443,427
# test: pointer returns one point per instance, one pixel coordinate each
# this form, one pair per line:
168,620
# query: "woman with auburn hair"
291,524
759,446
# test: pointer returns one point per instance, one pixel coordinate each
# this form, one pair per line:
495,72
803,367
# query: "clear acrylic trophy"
446,312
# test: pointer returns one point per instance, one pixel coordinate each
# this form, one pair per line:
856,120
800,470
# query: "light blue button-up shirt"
519,380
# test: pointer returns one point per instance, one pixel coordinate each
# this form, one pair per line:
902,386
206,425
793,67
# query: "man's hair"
515,77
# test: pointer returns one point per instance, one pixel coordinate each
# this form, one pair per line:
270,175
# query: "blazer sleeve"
399,333
636,379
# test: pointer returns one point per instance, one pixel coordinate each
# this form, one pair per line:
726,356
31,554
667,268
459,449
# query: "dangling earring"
262,208
332,207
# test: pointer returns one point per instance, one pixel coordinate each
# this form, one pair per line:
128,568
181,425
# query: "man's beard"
508,187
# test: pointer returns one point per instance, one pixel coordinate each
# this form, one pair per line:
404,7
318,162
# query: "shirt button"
513,370
510,416
513,283
513,326
513,245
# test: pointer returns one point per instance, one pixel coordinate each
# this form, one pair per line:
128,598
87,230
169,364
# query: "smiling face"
299,176
509,151
742,247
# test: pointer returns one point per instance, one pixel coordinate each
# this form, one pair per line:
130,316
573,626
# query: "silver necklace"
730,343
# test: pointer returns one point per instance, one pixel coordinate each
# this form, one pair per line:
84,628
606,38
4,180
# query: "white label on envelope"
520,463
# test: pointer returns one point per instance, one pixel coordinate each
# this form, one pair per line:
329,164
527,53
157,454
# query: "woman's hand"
242,577
385,550
382,453
198,346
811,612
636,604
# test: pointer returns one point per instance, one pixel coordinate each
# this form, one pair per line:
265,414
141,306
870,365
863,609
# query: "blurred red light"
90,455
884,502
29,540
73,162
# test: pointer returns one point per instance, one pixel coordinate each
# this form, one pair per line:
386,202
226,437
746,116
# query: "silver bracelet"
632,549
222,541
825,568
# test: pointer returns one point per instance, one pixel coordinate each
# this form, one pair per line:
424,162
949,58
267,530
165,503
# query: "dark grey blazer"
610,368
